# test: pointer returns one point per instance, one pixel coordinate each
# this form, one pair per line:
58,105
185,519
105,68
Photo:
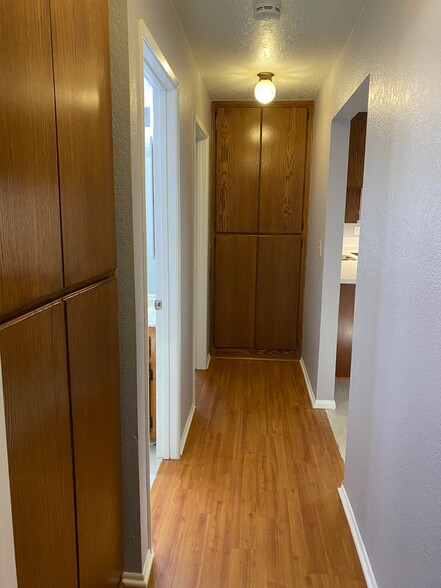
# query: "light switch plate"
356,231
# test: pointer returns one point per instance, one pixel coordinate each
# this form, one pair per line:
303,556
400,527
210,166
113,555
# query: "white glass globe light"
265,90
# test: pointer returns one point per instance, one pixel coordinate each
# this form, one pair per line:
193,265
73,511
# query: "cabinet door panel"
92,321
237,169
357,145
35,386
282,179
235,284
84,123
344,336
277,297
30,235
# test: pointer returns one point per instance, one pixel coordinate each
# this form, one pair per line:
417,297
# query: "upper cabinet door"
37,413
92,323
237,169
84,123
30,237
357,145
282,178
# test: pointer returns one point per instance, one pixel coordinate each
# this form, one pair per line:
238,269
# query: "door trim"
168,330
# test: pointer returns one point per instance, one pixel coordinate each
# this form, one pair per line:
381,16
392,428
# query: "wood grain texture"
282,178
277,293
92,320
253,501
235,286
152,384
353,204
30,233
357,146
35,383
344,335
238,163
84,124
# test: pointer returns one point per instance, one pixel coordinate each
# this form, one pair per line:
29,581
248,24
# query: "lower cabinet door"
277,294
33,355
92,322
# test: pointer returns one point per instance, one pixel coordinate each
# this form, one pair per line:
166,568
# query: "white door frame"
166,178
201,247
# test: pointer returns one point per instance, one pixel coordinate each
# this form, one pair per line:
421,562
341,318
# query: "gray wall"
161,20
393,472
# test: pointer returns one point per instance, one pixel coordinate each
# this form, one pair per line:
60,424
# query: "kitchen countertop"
348,274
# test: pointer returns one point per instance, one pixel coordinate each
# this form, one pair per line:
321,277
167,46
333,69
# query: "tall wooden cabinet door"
30,235
84,123
234,296
92,322
36,396
237,169
277,293
282,179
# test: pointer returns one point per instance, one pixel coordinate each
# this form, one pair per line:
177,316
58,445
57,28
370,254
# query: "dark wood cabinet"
59,339
357,146
84,127
238,166
282,179
277,292
344,336
92,325
30,233
235,286
261,183
34,365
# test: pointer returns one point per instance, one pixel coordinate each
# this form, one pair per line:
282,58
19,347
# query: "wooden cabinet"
344,336
30,233
33,353
261,174
92,324
58,340
84,126
357,145
57,219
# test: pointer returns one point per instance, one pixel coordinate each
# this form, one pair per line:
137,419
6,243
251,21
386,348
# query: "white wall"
393,473
160,18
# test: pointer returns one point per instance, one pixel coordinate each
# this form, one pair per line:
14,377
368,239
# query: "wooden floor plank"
253,501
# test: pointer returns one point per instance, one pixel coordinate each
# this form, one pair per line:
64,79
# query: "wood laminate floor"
253,501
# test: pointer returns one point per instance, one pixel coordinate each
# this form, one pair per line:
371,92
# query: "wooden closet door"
277,294
237,169
92,320
30,235
35,386
235,285
84,123
282,178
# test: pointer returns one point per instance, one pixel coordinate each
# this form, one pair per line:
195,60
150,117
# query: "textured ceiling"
230,47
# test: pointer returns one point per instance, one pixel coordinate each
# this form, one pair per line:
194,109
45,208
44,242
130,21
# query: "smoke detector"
267,10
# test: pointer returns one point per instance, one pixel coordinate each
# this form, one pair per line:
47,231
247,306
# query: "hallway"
253,502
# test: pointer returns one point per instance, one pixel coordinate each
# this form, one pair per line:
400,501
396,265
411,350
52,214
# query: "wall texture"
160,18
393,473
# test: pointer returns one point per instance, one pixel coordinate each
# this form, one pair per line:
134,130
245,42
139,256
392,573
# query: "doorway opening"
348,140
161,245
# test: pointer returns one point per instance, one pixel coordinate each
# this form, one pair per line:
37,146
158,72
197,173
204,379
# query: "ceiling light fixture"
267,10
265,90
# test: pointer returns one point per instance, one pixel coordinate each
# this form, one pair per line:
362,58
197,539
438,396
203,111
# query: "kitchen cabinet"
344,334
261,182
357,146
58,304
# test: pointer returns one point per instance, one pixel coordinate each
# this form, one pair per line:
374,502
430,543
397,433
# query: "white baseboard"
140,580
356,535
187,428
316,403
